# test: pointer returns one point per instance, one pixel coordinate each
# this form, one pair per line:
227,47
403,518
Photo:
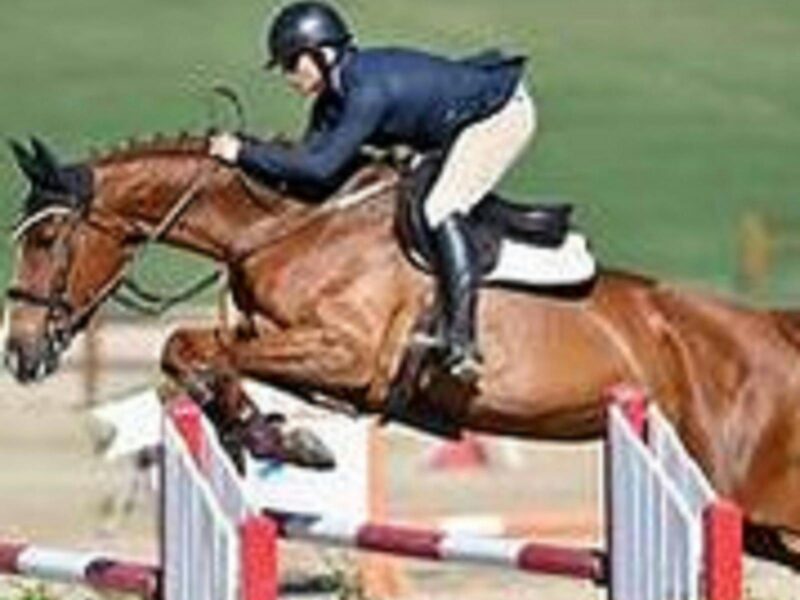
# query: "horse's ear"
26,161
44,156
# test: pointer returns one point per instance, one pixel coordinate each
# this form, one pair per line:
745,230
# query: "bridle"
60,312
63,319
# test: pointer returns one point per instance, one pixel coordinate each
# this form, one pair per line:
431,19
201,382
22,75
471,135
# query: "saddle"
531,247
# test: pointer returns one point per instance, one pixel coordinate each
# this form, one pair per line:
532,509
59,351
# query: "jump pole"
699,572
84,568
429,544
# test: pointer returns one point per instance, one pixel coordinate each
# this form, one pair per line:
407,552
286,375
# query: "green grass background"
663,120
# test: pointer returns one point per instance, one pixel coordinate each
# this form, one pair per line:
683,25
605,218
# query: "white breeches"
480,156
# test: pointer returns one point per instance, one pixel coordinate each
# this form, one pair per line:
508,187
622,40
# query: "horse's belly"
547,367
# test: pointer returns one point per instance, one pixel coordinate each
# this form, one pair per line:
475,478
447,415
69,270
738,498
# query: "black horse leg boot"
458,277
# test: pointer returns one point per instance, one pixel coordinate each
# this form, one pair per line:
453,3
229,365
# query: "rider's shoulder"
390,61
385,59
382,66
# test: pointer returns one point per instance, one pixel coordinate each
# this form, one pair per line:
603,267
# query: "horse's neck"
788,323
197,204
357,202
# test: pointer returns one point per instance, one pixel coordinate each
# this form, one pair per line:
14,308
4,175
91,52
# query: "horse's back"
555,353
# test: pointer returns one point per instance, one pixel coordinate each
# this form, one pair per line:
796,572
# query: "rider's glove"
226,147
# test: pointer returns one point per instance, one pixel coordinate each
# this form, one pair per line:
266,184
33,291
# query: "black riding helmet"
305,26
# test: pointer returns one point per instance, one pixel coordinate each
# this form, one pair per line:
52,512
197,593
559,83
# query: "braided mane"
159,144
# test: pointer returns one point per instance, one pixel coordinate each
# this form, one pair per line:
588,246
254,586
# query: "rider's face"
306,77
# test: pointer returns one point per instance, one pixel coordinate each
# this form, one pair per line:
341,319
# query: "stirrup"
465,365
427,341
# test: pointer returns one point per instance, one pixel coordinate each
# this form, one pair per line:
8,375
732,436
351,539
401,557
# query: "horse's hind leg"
768,543
199,361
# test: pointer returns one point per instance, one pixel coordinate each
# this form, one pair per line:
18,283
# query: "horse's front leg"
200,361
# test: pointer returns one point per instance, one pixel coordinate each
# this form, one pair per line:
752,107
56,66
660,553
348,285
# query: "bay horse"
329,299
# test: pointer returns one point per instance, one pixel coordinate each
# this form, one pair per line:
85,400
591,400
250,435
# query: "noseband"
51,303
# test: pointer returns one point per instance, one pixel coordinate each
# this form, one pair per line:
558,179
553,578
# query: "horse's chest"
287,289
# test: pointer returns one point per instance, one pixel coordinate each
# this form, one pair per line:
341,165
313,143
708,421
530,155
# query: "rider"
475,111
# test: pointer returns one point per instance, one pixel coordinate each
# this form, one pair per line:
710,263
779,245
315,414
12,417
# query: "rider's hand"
225,146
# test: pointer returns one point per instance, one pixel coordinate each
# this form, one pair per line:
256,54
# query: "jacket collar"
337,71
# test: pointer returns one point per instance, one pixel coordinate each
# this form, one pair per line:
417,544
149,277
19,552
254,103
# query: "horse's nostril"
19,364
29,362
52,354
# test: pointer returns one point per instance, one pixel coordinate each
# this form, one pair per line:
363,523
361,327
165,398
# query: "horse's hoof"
266,439
263,437
308,450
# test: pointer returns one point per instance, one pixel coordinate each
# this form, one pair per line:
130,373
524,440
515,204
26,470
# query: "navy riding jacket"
383,98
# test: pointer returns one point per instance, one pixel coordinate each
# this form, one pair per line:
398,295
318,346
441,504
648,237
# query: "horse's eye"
46,235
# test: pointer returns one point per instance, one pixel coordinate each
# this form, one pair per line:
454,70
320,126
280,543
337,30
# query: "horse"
329,301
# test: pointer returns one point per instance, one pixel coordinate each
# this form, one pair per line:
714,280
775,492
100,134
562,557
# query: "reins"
151,303
280,231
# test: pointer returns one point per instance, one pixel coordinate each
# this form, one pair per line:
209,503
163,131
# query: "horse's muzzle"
29,362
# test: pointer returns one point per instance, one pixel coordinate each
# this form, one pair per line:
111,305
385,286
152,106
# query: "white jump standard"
670,536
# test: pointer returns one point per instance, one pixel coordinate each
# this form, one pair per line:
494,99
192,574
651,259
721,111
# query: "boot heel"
467,371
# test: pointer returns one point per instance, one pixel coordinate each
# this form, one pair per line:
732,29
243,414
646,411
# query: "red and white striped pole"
430,544
724,548
86,568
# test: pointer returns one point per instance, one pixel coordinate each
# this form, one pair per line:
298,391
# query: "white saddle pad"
524,264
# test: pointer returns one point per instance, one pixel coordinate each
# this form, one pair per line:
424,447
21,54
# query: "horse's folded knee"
186,350
173,349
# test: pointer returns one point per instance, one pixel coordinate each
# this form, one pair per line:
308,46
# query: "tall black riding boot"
458,278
